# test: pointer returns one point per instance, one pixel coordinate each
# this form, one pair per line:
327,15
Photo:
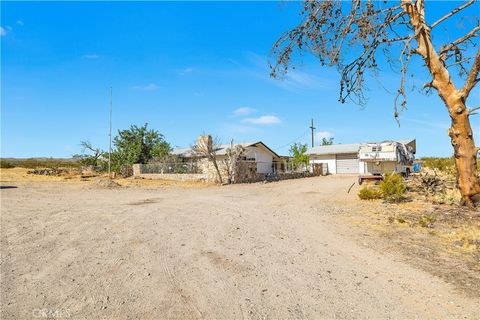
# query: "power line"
285,145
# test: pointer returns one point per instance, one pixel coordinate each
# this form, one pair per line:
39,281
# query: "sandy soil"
262,251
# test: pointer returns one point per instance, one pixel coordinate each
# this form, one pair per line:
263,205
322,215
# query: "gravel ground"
258,251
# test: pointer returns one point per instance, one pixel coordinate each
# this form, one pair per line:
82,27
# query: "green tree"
299,155
327,141
138,145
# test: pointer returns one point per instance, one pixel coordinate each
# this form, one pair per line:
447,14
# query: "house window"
377,149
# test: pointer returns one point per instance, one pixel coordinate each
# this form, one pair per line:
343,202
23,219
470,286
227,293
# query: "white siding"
263,158
329,159
362,167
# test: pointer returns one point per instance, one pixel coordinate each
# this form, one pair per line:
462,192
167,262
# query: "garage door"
347,163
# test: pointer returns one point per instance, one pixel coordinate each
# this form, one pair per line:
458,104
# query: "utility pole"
313,134
110,137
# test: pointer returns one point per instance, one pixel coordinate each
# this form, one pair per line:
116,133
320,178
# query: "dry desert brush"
368,193
393,188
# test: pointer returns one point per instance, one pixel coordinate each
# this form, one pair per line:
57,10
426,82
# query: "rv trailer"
386,157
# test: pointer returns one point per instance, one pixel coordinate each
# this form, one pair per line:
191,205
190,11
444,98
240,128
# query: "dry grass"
441,239
131,182
21,175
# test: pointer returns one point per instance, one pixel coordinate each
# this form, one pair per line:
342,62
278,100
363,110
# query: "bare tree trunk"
460,131
215,165
465,153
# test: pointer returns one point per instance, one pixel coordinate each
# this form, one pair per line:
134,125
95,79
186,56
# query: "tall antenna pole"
110,137
313,134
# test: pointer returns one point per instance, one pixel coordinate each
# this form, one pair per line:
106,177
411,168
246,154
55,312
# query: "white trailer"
387,157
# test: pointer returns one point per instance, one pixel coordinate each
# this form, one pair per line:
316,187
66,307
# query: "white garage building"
344,158
340,158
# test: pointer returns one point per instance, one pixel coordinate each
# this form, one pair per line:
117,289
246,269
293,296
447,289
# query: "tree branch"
473,111
472,33
472,79
451,13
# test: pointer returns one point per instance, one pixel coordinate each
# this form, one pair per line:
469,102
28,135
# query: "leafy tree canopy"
327,141
299,154
138,145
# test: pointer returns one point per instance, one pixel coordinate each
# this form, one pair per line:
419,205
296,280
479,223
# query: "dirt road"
260,251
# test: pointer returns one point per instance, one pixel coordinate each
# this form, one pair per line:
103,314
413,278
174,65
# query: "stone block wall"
175,176
246,172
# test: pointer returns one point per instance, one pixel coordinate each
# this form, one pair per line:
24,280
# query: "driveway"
255,251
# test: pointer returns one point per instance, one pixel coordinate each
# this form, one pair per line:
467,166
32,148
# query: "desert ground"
296,249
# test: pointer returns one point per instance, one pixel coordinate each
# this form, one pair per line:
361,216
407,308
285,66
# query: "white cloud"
148,87
20,22
186,71
432,124
241,129
91,56
293,80
244,111
263,120
323,134
3,32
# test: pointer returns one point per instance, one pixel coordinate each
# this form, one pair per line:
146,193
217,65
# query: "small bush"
447,197
401,220
6,165
441,164
33,163
427,221
369,194
393,188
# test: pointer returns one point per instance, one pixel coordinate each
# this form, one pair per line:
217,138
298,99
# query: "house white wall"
329,159
362,167
263,158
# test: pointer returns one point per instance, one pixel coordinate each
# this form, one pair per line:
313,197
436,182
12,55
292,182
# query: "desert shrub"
369,194
6,165
33,163
426,221
446,165
441,164
448,196
401,220
393,188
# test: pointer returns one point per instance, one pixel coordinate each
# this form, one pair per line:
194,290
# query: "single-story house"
344,158
267,160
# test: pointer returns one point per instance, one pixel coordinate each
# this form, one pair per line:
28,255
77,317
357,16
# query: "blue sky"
187,68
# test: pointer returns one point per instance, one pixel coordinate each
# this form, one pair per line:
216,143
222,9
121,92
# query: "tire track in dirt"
255,305
192,310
